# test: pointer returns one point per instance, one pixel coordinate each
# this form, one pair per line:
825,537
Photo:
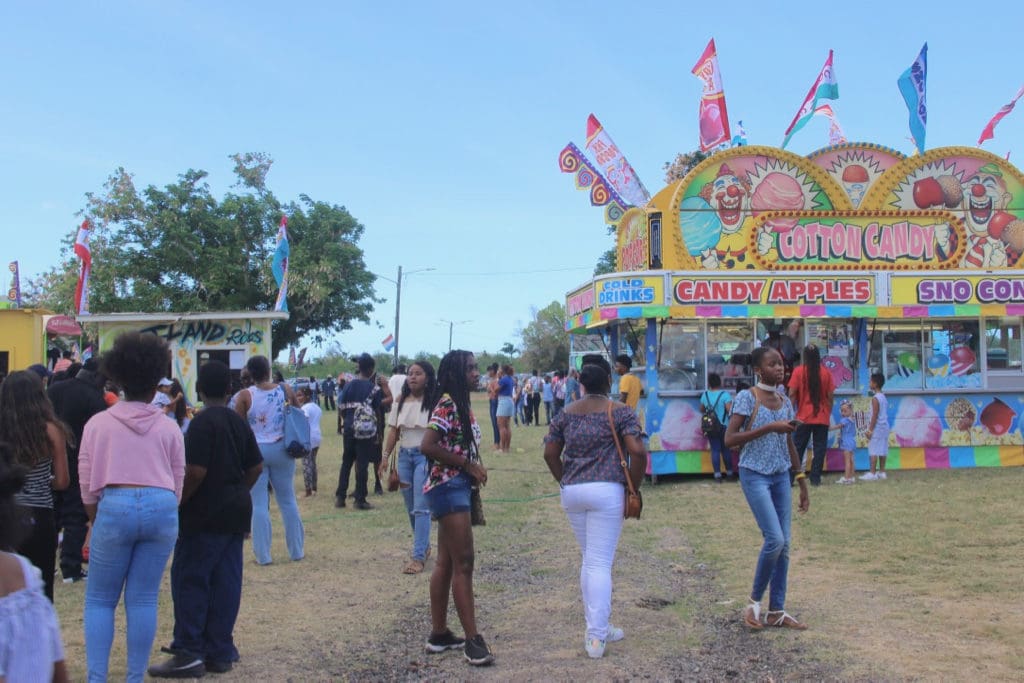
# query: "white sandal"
783,619
752,615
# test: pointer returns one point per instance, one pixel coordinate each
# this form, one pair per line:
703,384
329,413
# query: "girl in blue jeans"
408,420
762,424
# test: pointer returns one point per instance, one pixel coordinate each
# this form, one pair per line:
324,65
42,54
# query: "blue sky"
438,124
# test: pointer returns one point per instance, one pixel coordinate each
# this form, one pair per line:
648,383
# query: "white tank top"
266,414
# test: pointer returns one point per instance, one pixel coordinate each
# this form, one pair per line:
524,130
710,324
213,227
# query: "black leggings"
40,545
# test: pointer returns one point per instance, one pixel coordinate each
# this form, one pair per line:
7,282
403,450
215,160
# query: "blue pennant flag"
913,85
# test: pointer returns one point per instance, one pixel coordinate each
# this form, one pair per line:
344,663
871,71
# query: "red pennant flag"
990,130
714,120
84,253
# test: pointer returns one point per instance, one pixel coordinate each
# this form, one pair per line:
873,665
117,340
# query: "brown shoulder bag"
634,501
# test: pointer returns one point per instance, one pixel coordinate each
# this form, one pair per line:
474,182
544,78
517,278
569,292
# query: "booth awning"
63,325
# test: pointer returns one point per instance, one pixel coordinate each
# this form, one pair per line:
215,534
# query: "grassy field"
916,577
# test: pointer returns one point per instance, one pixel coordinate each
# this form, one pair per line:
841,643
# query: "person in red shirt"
811,390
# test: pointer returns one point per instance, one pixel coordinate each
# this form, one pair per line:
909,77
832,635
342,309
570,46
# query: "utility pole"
451,326
398,309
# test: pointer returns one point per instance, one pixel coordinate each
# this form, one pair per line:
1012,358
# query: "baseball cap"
165,382
41,370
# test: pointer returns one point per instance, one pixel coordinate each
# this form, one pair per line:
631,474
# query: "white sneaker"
844,480
880,475
595,648
868,476
614,635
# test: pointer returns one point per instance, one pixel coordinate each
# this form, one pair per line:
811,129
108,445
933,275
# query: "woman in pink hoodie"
131,466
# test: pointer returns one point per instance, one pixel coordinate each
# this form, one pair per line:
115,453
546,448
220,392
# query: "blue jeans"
718,453
132,538
279,469
206,586
412,472
771,500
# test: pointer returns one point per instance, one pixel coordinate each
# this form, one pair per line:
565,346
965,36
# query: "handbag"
476,503
393,480
634,501
296,432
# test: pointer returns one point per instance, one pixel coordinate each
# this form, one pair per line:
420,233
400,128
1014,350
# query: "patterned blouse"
29,633
590,454
768,454
266,414
445,419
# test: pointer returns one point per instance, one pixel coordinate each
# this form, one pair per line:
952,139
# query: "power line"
445,273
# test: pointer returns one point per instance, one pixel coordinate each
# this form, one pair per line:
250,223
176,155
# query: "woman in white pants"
581,454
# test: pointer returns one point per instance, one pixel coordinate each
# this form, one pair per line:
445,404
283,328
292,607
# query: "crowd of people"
151,477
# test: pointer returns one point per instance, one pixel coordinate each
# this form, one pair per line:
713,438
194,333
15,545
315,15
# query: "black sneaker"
179,665
215,667
476,651
363,505
339,501
444,641
75,578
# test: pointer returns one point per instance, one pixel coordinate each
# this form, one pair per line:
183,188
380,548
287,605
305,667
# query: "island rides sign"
817,230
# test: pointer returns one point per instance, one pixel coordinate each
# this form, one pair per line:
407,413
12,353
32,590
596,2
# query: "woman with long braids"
452,443
760,427
811,389
37,439
408,419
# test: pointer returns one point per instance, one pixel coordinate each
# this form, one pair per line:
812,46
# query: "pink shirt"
131,443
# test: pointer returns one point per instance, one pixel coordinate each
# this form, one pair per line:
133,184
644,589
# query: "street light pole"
451,327
398,316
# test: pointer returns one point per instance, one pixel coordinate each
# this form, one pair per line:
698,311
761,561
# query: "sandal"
752,616
783,619
426,555
413,567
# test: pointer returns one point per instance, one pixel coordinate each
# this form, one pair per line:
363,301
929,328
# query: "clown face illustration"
984,194
729,196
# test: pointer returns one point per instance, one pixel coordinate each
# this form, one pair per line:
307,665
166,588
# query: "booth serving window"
1003,345
931,354
836,339
632,334
681,361
728,352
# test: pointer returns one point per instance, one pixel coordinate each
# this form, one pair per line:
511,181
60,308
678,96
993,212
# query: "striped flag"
301,359
835,131
913,86
825,88
713,117
84,253
291,356
612,163
87,354
279,266
990,130
388,343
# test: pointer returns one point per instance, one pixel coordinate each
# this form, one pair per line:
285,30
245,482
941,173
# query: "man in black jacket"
75,401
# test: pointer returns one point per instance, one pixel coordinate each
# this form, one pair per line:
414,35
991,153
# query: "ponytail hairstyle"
812,361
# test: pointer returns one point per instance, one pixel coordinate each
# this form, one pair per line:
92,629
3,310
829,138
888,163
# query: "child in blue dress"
847,441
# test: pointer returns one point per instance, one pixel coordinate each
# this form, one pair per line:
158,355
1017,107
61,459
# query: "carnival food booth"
195,338
908,266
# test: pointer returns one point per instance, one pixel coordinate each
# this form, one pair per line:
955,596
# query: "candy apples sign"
784,290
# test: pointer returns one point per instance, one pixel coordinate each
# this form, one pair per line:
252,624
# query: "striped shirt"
37,492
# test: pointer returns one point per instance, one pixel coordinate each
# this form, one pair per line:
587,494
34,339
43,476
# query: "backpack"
710,425
364,422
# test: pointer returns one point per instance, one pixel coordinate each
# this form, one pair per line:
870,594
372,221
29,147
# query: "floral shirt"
445,419
590,454
768,454
266,413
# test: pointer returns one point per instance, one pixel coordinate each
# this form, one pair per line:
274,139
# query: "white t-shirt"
313,413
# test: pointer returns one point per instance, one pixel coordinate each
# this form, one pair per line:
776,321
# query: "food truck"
908,266
195,338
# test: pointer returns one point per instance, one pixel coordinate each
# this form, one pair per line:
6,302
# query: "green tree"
545,341
605,264
180,249
681,165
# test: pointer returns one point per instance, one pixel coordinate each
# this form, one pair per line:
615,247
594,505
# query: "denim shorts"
505,406
449,497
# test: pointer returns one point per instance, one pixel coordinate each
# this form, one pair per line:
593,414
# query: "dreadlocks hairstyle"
12,478
451,380
25,413
812,361
428,390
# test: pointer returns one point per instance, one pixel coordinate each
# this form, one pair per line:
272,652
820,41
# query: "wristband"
801,475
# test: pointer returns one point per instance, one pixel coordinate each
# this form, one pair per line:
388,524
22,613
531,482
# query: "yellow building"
22,338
